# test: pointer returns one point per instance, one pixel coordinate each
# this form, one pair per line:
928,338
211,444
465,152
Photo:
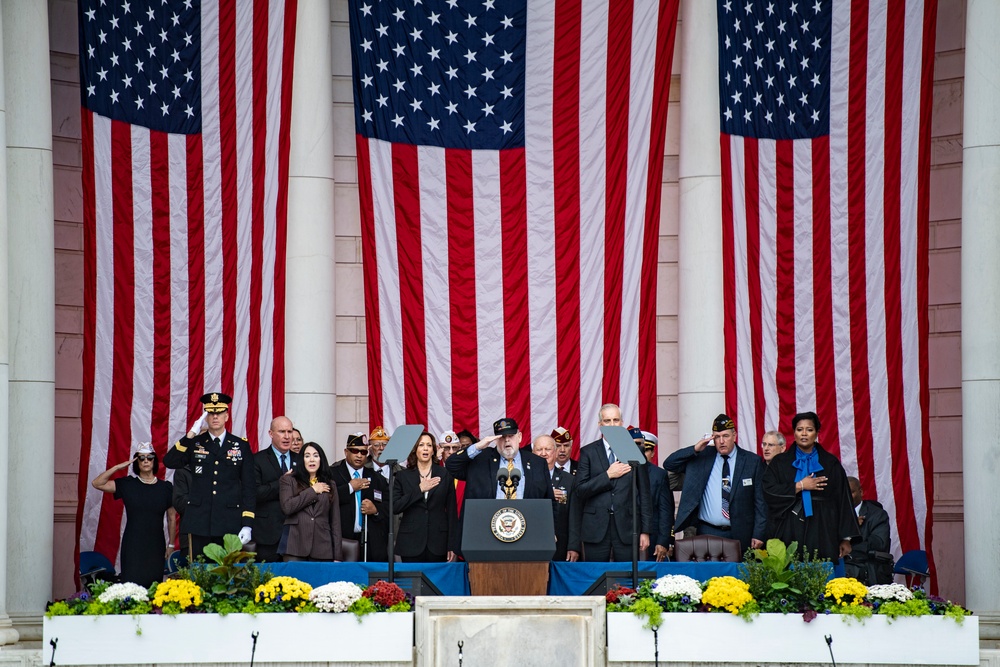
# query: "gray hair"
607,406
540,437
779,436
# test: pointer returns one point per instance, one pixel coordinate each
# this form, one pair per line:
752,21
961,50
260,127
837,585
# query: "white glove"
245,534
199,425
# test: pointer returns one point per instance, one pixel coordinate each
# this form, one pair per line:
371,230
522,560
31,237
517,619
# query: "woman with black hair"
808,496
312,512
424,493
144,549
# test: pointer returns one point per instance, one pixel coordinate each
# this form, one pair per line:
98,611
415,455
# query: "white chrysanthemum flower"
335,597
677,586
887,592
124,592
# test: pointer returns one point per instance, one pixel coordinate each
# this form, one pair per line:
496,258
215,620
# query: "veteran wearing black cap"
723,492
223,493
364,498
479,467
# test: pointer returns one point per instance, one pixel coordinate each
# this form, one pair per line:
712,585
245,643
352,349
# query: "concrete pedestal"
510,631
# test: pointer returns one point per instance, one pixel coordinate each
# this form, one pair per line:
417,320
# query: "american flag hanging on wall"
510,155
826,111
185,126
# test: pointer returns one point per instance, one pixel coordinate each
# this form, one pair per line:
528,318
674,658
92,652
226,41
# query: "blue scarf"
805,465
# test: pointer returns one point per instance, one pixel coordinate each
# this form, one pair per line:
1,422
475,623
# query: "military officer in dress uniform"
222,495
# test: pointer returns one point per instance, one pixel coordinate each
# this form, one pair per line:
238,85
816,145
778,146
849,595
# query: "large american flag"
825,142
510,157
185,169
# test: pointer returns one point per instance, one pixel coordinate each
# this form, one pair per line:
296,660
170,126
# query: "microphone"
502,476
515,477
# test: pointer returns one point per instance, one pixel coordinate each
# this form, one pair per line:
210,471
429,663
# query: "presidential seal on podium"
508,524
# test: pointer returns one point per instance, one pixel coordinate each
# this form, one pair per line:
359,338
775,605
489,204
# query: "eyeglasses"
357,450
145,457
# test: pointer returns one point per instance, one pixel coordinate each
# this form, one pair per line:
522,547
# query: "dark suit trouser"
611,545
708,529
267,553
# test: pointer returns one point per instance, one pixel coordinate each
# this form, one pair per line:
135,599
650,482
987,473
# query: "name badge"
748,481
378,495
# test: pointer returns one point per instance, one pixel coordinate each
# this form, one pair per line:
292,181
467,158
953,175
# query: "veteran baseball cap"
505,426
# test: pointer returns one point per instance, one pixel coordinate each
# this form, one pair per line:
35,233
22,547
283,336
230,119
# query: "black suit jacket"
378,493
562,479
662,499
269,517
427,523
598,493
747,507
222,495
480,474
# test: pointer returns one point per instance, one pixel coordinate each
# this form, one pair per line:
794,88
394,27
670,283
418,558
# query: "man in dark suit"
222,495
562,487
661,536
478,466
604,488
564,449
870,560
722,494
269,465
363,495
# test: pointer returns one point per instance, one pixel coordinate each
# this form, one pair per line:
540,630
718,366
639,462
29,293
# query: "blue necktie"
357,505
284,463
611,457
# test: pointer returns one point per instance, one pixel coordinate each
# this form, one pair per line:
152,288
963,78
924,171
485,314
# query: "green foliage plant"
228,578
784,581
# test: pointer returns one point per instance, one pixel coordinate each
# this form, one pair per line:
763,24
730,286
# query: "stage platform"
453,578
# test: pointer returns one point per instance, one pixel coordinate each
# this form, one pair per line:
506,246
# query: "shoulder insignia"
244,438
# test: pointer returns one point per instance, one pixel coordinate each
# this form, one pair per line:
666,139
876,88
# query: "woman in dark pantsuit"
425,496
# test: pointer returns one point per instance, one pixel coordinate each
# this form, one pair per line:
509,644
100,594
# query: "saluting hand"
487,442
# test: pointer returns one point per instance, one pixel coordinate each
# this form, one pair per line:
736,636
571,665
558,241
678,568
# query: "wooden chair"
707,548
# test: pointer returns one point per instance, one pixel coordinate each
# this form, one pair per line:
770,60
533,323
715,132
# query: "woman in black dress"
425,496
808,496
144,549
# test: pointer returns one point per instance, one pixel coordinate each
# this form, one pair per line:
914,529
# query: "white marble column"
31,308
8,635
981,304
700,377
310,396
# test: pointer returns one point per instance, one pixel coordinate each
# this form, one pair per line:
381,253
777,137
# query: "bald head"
545,446
855,485
281,433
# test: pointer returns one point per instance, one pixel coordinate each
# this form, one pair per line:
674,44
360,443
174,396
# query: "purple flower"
783,602
822,597
685,599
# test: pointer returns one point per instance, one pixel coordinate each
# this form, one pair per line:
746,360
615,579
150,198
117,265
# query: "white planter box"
208,638
776,638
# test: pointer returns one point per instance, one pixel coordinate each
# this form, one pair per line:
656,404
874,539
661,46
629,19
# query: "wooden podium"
508,544
509,578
